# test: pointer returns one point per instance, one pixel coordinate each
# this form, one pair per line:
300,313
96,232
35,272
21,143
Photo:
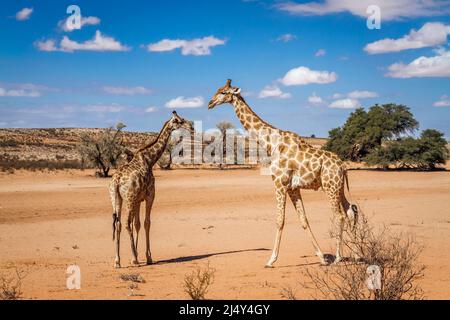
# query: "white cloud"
23,90
287,37
351,100
182,102
98,43
46,46
85,21
436,66
102,108
431,34
304,75
196,47
443,102
390,9
316,100
151,109
273,91
345,104
362,94
129,91
320,53
24,14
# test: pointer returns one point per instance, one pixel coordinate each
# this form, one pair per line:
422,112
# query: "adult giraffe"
134,182
295,165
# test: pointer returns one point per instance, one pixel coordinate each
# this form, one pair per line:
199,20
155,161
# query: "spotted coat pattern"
295,165
134,183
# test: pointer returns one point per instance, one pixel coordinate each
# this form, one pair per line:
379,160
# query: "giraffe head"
224,95
176,122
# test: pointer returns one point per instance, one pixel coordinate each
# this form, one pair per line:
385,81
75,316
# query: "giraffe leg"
339,239
118,229
147,223
137,227
132,211
340,214
297,201
281,200
117,226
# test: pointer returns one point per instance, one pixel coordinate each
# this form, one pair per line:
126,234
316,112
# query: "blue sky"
303,66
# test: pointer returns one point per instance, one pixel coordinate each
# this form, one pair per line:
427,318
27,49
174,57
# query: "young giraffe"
134,182
295,165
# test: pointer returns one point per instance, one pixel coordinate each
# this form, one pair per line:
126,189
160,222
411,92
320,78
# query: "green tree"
423,153
365,131
102,151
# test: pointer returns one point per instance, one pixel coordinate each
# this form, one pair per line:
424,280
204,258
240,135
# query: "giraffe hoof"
149,262
135,263
269,266
117,265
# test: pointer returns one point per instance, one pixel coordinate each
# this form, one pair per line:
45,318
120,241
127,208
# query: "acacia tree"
223,126
103,151
365,131
423,153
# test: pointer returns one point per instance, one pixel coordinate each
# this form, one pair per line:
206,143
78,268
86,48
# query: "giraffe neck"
249,119
257,127
153,151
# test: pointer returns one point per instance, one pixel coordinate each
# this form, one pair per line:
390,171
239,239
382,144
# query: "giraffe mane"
151,144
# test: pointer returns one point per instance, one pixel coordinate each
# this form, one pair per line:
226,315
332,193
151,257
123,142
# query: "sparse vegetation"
197,283
11,285
395,256
133,277
9,163
288,293
104,151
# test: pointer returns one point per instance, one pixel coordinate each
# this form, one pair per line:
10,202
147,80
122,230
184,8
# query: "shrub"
104,151
11,286
196,284
133,277
395,256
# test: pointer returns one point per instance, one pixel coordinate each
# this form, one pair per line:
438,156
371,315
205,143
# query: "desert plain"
224,218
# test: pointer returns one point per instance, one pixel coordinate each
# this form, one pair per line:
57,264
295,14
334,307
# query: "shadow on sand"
204,256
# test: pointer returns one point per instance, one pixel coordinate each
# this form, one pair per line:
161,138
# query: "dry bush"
133,277
396,256
11,286
288,293
197,283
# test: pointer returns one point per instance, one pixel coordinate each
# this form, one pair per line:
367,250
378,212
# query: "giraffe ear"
237,90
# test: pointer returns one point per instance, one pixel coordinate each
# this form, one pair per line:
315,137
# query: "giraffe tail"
346,180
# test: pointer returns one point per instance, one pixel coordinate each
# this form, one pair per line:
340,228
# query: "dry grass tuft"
377,254
11,286
133,277
197,283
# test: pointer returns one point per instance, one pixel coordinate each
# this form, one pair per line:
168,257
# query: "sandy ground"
49,221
